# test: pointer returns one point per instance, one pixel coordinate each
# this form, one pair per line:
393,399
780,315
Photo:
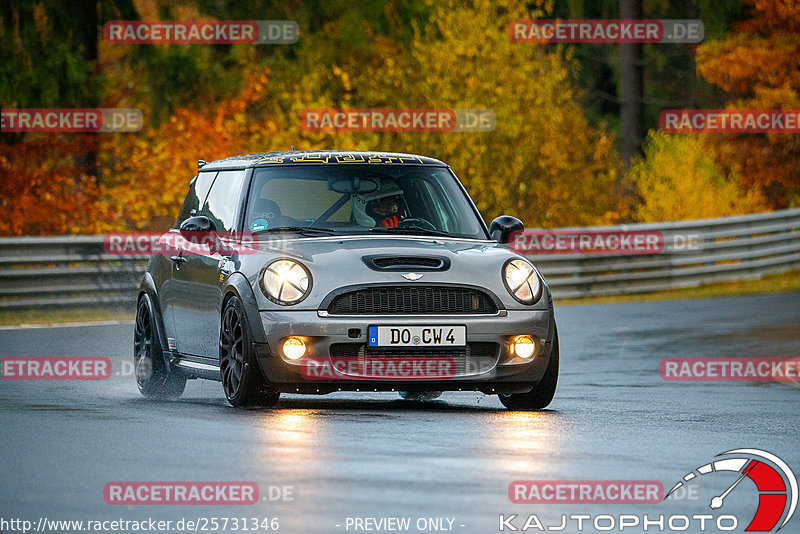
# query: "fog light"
294,348
523,346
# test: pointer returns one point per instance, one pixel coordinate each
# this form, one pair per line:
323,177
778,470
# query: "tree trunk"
84,13
631,87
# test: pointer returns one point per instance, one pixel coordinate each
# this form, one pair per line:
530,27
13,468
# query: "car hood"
335,262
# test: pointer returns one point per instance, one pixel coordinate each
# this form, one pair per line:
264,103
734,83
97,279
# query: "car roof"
319,157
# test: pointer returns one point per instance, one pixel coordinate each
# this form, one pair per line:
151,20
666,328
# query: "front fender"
239,285
147,291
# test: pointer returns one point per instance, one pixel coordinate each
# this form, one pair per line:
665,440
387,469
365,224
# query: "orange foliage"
146,176
44,190
521,168
758,65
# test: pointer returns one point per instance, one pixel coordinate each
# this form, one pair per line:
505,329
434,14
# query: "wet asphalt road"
373,455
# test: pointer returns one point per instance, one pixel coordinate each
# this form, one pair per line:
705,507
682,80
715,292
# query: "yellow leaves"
542,143
678,179
543,162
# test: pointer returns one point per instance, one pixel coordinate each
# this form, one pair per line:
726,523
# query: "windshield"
359,199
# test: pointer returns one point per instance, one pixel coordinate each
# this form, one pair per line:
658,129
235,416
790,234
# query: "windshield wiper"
414,230
302,230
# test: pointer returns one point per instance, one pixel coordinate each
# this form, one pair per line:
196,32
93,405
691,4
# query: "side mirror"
201,229
501,228
198,223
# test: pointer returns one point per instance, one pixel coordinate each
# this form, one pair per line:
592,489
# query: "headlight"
522,281
286,282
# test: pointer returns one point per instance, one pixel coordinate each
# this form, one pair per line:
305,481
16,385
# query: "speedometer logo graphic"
776,484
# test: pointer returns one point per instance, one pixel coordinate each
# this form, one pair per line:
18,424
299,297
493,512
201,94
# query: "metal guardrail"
68,271
695,252
74,271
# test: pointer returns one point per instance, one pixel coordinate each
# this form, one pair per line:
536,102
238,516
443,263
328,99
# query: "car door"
197,288
168,287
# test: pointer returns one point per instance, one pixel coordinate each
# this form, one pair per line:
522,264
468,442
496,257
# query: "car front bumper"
488,365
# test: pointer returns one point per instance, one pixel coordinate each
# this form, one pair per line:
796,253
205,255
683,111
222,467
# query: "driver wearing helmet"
382,207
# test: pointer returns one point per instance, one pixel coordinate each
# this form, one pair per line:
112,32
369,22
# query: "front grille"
474,358
401,300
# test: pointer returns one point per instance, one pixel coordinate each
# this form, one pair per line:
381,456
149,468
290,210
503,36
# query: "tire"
242,380
542,393
153,378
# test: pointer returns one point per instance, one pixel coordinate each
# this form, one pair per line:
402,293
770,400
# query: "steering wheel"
416,221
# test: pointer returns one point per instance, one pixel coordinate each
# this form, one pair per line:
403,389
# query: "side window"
196,196
222,203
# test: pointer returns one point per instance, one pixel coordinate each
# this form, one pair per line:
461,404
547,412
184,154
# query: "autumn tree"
757,66
678,179
42,191
543,162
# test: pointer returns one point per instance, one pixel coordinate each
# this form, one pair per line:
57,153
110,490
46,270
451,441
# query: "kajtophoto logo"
774,499
775,481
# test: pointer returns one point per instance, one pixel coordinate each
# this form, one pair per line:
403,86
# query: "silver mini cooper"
315,272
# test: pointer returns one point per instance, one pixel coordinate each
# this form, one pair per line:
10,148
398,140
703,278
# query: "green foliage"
670,79
43,64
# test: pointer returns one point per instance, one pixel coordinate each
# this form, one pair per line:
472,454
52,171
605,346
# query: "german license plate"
417,336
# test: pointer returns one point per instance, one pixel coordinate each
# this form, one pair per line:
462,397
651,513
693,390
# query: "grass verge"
48,317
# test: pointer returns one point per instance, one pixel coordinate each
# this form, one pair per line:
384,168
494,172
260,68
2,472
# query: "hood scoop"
406,263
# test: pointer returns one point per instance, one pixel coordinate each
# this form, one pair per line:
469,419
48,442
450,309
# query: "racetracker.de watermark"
379,368
398,120
734,369
145,244
201,32
182,493
606,31
71,120
585,491
586,242
730,121
55,368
